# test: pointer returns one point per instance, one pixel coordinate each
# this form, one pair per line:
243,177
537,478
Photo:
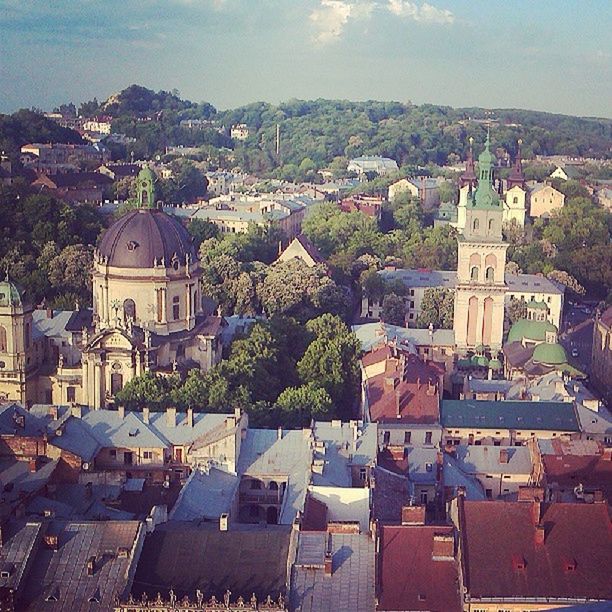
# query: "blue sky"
548,55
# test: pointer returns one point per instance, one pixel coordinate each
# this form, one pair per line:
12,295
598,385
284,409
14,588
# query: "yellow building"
544,199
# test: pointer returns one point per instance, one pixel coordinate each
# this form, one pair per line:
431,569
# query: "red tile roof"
378,354
503,559
412,390
410,579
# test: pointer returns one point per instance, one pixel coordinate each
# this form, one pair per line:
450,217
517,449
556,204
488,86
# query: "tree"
186,184
561,276
516,309
299,405
437,308
148,390
71,271
202,229
393,310
448,192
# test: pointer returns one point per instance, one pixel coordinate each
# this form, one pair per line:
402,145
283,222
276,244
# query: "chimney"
145,415
32,465
223,522
189,417
279,433
52,541
76,411
413,515
171,417
536,509
539,535
53,412
443,547
121,412
49,313
329,561
398,404
91,566
504,455
237,414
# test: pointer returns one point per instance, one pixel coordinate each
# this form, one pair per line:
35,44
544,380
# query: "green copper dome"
485,196
495,364
145,188
549,354
534,331
486,158
9,294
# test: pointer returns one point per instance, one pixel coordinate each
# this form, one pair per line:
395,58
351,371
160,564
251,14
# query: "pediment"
111,339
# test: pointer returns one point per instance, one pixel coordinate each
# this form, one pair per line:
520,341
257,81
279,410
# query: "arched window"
129,310
144,197
475,224
515,200
273,486
474,273
3,339
490,274
176,307
491,225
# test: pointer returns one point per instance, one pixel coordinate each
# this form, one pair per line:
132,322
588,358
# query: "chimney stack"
76,411
32,464
443,547
171,417
121,411
398,403
145,415
279,433
91,566
189,417
223,522
329,560
539,535
413,515
504,455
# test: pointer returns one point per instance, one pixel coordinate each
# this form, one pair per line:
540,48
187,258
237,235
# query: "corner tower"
481,287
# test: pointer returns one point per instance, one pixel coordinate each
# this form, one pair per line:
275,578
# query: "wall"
344,504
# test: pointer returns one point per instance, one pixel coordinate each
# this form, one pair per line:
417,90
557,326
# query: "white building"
372,163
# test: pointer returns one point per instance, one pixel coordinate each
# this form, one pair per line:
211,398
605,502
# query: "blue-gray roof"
372,334
485,459
521,415
55,325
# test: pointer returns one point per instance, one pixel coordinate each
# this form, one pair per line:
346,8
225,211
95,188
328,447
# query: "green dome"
482,361
525,329
495,364
549,354
9,294
464,363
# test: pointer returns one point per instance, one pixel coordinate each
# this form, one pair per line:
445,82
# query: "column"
97,391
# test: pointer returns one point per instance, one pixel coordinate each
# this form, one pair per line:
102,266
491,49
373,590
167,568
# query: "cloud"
329,20
425,13
331,16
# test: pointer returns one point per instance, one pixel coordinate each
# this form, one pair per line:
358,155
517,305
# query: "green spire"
145,188
485,196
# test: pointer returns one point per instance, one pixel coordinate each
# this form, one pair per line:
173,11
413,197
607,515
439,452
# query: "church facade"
147,316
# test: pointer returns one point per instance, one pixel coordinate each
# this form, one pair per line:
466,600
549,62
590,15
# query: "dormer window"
132,245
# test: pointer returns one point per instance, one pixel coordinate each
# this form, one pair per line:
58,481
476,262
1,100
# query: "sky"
551,55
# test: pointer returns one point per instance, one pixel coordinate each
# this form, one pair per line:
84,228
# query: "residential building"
47,157
404,399
418,567
99,125
240,131
544,199
196,563
601,362
500,470
566,173
119,171
506,423
302,248
372,163
333,571
423,188
370,206
75,187
527,555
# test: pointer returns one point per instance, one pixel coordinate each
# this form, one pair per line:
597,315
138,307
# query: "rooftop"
18,540
185,557
488,459
521,415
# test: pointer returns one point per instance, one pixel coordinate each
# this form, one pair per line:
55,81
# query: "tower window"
176,307
129,309
490,274
474,273
2,339
491,225
475,224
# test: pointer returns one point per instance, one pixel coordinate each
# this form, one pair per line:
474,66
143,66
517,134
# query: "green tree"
297,406
437,308
516,309
148,390
393,310
70,271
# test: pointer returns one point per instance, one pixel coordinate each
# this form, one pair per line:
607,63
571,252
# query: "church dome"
530,330
549,354
9,294
143,238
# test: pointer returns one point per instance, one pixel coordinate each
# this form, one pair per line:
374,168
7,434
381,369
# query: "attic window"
570,565
6,570
429,467
422,597
133,433
519,563
132,245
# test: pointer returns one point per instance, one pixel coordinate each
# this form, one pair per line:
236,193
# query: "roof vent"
96,597
6,569
570,565
133,433
519,562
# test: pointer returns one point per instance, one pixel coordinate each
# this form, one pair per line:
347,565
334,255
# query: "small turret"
516,177
469,175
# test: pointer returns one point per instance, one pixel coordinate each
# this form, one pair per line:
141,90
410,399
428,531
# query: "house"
500,470
333,571
199,562
370,206
119,171
544,199
75,187
532,555
566,173
423,188
507,423
240,131
302,248
576,470
51,156
373,164
485,389
601,362
418,567
404,399
80,566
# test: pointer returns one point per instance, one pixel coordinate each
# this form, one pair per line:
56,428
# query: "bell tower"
17,363
145,188
481,287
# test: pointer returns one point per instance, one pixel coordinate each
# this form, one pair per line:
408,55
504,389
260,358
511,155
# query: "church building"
147,316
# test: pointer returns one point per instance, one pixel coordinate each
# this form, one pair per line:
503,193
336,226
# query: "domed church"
147,316
147,304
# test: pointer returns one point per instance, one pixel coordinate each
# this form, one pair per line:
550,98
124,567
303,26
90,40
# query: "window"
71,394
113,452
490,274
423,497
255,484
386,437
475,224
428,435
362,473
491,225
489,493
176,307
407,435
474,273
2,339
515,200
129,310
147,455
